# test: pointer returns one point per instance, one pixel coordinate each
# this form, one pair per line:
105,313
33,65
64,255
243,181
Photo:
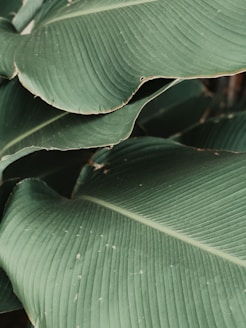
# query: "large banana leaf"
91,56
154,237
226,132
27,124
49,166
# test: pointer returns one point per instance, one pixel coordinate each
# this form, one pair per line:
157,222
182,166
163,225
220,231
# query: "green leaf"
27,124
154,237
177,109
8,40
8,300
91,56
9,8
225,132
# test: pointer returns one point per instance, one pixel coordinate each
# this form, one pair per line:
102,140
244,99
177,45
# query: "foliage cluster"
122,204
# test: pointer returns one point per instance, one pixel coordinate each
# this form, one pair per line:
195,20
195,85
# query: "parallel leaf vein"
30,132
99,9
169,231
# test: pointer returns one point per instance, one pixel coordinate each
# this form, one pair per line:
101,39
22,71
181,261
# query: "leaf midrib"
30,132
96,10
169,231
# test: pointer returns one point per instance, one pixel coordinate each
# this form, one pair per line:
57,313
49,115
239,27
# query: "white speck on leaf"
78,256
76,297
114,247
96,166
216,153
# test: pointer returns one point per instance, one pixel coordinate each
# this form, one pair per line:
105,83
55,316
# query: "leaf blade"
225,132
47,128
117,50
121,269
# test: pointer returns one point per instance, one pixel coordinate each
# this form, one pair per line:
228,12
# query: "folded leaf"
154,237
91,56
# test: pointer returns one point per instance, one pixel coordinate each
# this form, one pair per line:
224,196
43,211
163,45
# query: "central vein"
169,231
95,10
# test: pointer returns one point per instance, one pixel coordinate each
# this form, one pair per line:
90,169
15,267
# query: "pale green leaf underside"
91,56
226,132
154,237
28,124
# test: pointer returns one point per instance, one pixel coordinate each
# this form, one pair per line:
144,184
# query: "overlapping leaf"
91,56
154,237
28,124
179,108
226,132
